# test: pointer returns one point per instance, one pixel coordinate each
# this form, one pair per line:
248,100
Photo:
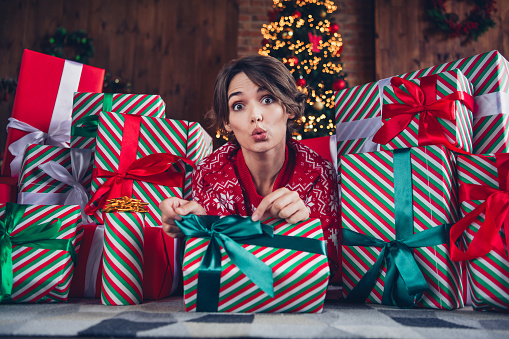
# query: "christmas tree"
303,35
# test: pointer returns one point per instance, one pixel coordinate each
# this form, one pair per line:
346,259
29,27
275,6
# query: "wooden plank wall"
173,48
404,43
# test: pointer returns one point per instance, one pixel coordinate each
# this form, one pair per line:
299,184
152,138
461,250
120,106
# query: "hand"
284,204
171,210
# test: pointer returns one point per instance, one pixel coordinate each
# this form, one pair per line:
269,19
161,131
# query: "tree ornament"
338,84
318,105
315,42
287,33
477,22
301,82
265,42
292,61
297,14
333,28
323,14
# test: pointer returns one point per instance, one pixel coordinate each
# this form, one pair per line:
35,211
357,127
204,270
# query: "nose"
256,114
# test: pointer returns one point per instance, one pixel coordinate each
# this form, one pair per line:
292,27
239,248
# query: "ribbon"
496,209
404,282
34,136
94,262
364,128
45,239
491,104
151,168
87,126
421,100
225,232
77,195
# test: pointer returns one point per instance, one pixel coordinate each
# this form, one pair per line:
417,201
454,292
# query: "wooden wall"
404,43
174,48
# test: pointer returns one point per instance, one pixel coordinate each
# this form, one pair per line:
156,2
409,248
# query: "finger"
286,205
168,206
300,215
191,207
266,203
172,230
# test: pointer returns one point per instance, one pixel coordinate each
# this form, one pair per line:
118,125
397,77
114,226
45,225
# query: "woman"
262,172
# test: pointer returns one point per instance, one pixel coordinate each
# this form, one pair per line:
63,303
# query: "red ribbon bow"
151,168
421,99
496,209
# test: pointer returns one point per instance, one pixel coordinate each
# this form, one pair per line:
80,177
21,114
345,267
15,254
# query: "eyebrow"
260,89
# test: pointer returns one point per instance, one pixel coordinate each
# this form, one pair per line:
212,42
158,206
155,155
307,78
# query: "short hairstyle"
266,72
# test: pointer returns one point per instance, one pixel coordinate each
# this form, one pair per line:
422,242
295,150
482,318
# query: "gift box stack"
423,165
70,150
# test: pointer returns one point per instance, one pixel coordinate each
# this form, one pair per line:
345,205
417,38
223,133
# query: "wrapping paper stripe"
34,180
488,275
367,202
42,275
156,136
87,104
300,278
491,134
122,276
487,72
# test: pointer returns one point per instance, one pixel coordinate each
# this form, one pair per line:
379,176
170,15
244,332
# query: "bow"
421,100
225,232
34,136
496,209
151,168
43,239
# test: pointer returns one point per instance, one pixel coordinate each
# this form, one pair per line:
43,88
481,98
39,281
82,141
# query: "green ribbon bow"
87,126
226,232
44,239
404,282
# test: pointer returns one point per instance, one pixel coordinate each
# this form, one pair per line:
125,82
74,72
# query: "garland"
477,22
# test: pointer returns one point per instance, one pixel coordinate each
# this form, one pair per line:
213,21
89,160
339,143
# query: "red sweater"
223,185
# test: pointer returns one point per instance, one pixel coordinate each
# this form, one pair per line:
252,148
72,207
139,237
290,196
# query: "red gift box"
43,102
8,189
161,264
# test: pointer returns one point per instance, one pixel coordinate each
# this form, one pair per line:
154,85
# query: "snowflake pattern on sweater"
216,187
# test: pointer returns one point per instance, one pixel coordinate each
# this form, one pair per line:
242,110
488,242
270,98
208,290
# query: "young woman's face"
257,119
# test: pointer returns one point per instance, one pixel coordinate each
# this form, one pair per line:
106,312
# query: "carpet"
167,318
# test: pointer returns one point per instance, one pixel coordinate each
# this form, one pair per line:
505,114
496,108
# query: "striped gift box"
156,135
359,111
86,105
43,275
489,74
38,187
371,205
300,278
488,275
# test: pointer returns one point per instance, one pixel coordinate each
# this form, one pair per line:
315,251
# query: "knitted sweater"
223,185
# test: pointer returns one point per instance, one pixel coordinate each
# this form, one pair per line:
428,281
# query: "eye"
237,106
268,100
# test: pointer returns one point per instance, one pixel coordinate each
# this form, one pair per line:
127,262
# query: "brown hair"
266,72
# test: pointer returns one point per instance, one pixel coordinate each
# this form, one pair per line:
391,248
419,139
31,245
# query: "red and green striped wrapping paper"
300,278
157,135
489,74
89,104
362,104
367,203
488,275
33,180
122,276
42,275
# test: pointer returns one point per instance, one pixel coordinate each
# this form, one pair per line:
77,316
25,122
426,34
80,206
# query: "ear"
291,115
228,128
